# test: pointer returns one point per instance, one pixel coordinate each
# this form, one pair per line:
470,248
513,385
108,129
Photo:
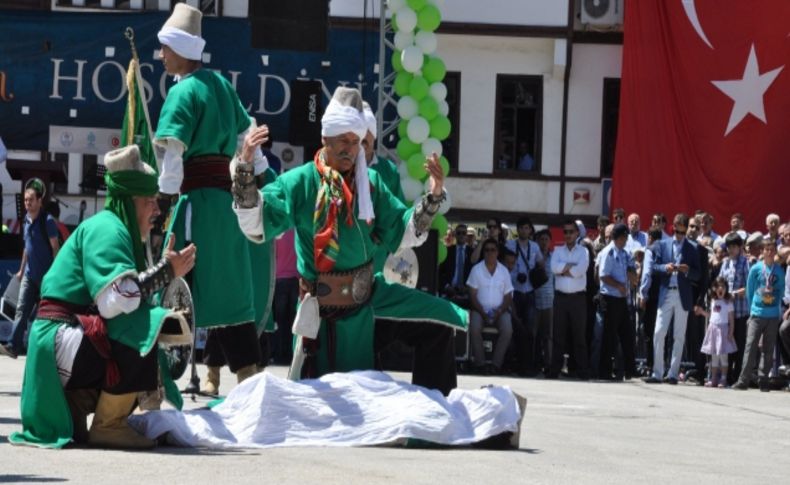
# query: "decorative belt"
94,328
206,172
340,291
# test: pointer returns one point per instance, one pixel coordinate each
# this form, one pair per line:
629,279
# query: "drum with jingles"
402,267
177,335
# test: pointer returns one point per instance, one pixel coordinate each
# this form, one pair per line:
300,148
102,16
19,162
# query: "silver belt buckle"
361,285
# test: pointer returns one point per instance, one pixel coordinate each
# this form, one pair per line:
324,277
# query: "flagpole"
129,34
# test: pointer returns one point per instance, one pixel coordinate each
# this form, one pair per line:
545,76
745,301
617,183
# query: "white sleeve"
251,220
122,296
171,173
410,237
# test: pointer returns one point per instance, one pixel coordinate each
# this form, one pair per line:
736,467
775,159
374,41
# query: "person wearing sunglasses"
676,264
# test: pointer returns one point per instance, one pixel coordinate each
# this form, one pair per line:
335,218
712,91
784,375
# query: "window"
92,175
208,7
518,123
61,186
450,146
611,113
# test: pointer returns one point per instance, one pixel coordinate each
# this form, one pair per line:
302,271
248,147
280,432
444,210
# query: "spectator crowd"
675,303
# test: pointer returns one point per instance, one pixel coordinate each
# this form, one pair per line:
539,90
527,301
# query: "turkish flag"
705,110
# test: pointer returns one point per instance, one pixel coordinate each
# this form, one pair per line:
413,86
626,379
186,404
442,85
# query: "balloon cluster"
422,104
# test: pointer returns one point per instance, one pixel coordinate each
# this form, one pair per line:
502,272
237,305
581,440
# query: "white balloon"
438,92
444,108
406,19
426,41
431,145
412,189
411,58
418,129
403,40
407,108
403,170
395,5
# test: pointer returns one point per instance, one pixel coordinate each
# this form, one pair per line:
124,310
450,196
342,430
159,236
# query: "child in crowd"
719,340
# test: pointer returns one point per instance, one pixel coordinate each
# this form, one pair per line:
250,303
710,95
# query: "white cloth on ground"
361,408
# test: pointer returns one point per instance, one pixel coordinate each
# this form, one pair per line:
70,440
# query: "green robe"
95,255
262,257
289,202
388,172
204,112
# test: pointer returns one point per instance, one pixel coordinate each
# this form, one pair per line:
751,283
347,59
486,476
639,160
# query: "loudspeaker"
306,112
427,256
298,25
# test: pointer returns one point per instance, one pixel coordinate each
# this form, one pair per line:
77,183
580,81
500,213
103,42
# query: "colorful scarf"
333,192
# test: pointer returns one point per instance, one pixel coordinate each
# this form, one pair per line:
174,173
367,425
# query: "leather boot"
212,381
82,402
246,372
110,428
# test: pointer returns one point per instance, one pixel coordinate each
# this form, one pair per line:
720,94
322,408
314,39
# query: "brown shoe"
110,428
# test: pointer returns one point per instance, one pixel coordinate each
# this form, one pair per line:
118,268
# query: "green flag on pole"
136,128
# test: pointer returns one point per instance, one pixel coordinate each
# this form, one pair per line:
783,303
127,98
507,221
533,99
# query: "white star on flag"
748,92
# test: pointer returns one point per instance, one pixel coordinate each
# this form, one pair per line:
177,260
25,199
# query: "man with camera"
569,264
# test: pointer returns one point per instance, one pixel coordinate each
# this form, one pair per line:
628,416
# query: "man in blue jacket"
676,264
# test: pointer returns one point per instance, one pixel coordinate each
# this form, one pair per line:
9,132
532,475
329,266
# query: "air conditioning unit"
602,12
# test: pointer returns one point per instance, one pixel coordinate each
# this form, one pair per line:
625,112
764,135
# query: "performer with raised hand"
336,203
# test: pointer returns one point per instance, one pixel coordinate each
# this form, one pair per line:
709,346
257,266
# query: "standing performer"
336,204
388,173
92,347
200,127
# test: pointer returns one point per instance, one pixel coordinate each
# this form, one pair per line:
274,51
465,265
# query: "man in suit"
676,263
455,269
695,330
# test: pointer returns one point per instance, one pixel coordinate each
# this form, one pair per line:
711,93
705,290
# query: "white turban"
337,120
183,43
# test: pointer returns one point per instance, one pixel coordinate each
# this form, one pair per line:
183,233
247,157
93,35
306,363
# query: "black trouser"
137,373
695,334
649,328
235,345
616,325
434,351
570,321
524,332
286,298
736,358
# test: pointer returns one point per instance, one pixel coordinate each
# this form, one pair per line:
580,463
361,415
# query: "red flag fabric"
705,110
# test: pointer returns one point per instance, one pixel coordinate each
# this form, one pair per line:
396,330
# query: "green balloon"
419,88
406,148
429,18
440,224
441,250
434,70
403,82
403,130
445,165
440,128
416,167
394,22
397,65
429,108
416,5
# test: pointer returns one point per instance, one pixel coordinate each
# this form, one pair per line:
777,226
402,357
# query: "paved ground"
574,432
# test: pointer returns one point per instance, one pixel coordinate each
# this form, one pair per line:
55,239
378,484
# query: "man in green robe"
92,346
336,204
388,173
201,124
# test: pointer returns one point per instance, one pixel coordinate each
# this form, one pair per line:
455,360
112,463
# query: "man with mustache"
94,343
336,204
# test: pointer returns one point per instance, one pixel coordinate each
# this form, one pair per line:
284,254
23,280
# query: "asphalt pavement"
573,432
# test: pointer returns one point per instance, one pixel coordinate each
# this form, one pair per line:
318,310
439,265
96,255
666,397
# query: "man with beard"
336,204
93,346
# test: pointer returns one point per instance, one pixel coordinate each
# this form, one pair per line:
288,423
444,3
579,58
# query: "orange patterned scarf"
333,193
